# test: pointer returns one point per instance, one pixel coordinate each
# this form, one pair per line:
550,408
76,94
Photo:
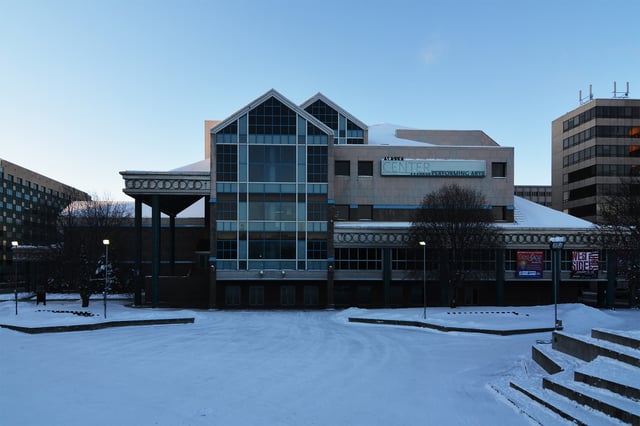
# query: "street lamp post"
106,274
556,244
424,279
14,245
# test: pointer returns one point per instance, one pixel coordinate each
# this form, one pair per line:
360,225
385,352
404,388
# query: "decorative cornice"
167,184
511,238
394,239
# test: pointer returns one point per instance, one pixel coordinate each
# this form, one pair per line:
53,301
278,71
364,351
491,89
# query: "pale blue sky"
90,88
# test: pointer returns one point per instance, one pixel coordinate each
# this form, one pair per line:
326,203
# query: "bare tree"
457,222
620,230
83,226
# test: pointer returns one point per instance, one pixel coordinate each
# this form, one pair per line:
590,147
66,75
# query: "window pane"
342,212
342,168
365,168
499,169
272,163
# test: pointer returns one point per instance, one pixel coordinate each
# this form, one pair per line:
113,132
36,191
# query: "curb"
449,329
96,326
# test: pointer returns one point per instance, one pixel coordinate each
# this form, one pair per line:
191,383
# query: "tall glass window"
317,249
271,248
228,135
324,113
226,163
272,122
317,164
280,165
344,130
227,209
272,163
316,211
227,249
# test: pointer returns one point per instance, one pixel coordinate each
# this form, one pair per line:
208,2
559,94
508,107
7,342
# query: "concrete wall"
410,190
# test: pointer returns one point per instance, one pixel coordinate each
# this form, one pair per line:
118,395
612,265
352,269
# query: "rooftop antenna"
586,98
617,94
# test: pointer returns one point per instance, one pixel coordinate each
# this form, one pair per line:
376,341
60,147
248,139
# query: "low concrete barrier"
448,329
97,326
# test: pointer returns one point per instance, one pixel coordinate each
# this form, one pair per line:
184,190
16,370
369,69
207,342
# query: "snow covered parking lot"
267,367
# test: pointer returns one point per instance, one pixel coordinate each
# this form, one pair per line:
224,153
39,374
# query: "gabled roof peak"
272,93
326,100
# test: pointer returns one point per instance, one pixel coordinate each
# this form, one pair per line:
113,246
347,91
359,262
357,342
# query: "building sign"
585,263
530,264
398,166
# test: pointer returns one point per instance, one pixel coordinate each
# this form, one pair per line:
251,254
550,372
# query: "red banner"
585,262
530,264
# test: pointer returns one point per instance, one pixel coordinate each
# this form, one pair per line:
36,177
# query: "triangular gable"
329,102
272,94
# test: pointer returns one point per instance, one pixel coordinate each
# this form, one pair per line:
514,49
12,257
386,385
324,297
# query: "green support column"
330,283
386,275
443,258
155,249
172,243
213,281
331,260
137,272
500,277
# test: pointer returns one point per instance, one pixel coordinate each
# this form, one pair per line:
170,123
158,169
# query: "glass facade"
601,111
272,184
617,132
29,207
600,146
278,234
345,131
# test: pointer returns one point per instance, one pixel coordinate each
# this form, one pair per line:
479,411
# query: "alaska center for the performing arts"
306,206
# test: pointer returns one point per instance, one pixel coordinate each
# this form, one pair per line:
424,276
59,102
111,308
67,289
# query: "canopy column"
155,249
137,275
172,243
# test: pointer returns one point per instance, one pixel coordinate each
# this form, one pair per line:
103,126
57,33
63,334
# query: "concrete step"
561,406
614,376
537,412
613,405
545,359
587,348
552,361
619,337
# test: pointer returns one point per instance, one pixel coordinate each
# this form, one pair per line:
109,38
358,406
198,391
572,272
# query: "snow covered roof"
395,135
385,134
198,166
528,214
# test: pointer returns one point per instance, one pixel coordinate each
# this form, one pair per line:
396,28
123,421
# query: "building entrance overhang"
175,190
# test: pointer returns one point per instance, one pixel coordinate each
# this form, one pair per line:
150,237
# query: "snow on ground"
270,367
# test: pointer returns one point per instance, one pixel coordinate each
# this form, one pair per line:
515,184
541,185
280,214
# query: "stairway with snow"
589,380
